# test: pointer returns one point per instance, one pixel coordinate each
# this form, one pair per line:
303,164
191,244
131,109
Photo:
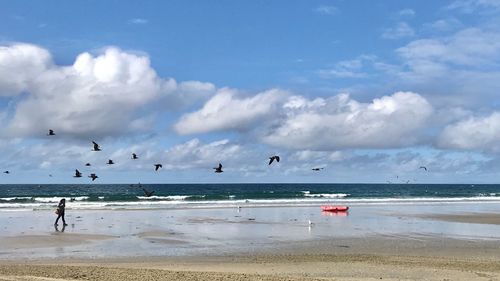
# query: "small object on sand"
334,208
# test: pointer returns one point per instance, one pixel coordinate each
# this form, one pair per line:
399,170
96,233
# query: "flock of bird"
157,166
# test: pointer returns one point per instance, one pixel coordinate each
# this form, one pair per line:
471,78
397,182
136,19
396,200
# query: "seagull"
158,166
93,176
110,162
148,193
96,146
88,164
218,169
6,172
77,174
423,167
317,169
51,133
272,158
134,156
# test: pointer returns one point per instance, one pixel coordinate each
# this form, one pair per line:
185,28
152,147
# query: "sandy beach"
391,242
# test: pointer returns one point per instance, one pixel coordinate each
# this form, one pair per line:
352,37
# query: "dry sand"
283,267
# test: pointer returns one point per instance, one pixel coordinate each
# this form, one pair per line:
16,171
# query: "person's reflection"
56,227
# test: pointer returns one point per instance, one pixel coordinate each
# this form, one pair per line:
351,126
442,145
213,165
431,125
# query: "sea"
131,196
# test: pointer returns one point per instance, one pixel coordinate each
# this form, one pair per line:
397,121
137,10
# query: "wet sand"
415,242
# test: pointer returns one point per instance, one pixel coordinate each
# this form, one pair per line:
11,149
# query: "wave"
325,195
170,197
181,202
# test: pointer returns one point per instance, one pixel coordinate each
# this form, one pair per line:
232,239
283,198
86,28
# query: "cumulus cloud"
20,65
401,30
228,111
474,133
341,122
98,95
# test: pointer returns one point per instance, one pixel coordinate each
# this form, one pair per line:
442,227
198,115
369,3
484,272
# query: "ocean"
122,196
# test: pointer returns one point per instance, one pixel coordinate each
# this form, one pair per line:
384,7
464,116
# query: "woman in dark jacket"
60,211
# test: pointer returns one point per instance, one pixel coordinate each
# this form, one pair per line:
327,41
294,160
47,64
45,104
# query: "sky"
368,90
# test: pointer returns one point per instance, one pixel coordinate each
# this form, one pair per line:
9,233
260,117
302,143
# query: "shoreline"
393,242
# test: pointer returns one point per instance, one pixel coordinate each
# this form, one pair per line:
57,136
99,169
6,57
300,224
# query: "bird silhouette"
148,193
423,167
134,156
93,177
77,174
51,133
110,162
218,169
6,172
96,146
317,169
272,158
158,166
88,164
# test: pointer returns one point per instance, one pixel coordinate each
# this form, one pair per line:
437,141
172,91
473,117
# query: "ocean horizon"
132,196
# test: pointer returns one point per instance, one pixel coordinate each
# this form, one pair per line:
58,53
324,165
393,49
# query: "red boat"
333,208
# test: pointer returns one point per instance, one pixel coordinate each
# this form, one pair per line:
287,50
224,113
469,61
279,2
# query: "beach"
420,241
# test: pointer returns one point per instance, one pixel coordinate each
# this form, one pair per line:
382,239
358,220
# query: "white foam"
57,199
170,197
14,198
327,195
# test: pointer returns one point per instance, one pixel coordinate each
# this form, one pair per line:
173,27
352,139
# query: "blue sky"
370,90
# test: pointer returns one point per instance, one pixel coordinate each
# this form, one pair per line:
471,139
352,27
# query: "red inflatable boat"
333,208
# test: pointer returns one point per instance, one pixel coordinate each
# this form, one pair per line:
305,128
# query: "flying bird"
110,162
93,177
6,172
158,166
51,133
88,164
134,156
272,158
96,146
423,167
218,169
317,169
77,174
148,193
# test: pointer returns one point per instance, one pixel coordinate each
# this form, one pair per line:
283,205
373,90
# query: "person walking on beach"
60,211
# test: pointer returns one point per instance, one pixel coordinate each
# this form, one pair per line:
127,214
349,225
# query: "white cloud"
227,111
401,30
196,154
98,95
138,21
471,6
326,10
407,12
348,68
468,47
474,133
20,65
341,122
